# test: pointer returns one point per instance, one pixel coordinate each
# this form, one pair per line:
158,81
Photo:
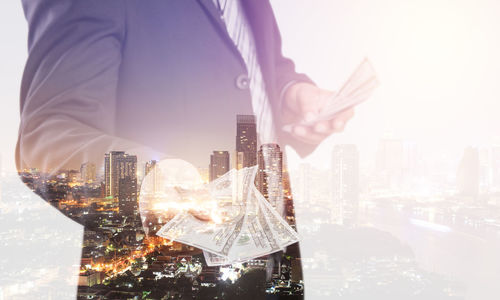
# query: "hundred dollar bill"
189,230
251,227
213,237
214,260
357,89
254,240
282,232
264,232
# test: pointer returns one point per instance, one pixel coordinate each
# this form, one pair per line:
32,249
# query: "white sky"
438,61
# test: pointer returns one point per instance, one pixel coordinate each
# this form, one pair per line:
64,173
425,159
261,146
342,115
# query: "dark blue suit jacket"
152,78
156,77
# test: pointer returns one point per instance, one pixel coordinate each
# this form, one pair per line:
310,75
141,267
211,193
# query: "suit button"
242,82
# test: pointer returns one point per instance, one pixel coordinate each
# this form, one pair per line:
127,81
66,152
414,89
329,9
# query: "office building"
120,172
345,184
219,164
88,172
246,140
468,174
270,174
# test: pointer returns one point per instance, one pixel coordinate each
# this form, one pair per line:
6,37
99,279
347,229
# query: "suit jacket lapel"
213,12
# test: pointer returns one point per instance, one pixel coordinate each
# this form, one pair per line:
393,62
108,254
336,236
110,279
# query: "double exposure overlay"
244,149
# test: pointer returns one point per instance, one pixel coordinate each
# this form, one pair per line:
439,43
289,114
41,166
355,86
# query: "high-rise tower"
468,174
270,175
152,170
246,140
219,164
345,184
88,172
120,170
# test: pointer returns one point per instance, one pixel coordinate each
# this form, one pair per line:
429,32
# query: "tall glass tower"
219,164
120,171
246,140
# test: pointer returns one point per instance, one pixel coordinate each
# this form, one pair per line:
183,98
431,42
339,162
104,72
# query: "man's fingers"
311,101
308,134
338,124
335,125
319,131
323,127
346,115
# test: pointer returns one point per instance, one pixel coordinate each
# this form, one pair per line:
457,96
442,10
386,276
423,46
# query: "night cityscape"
120,261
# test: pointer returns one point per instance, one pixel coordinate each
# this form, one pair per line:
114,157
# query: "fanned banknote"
264,232
358,88
214,237
250,228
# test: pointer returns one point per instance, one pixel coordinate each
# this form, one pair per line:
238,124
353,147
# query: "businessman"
160,79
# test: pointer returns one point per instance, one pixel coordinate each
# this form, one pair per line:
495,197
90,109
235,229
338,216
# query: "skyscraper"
120,170
246,140
468,174
495,168
237,160
345,185
390,162
219,164
88,172
304,183
151,170
270,175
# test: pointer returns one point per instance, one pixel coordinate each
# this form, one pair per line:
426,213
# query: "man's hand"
303,102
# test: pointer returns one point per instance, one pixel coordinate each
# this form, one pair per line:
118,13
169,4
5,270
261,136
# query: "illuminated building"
495,166
390,162
88,172
345,184
246,139
304,184
150,167
270,175
120,170
237,161
219,164
89,278
468,174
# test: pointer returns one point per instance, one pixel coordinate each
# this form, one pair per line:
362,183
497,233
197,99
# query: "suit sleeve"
285,76
69,87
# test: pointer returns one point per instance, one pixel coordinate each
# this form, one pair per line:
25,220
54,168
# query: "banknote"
254,240
250,226
217,238
264,232
283,233
358,88
213,260
187,229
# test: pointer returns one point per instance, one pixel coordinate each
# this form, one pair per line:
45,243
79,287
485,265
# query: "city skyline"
428,205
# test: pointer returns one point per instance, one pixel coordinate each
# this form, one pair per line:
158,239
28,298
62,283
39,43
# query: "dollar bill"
282,232
264,232
252,227
212,237
357,89
254,240
214,260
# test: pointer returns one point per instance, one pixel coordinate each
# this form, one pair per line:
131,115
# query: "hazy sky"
438,61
